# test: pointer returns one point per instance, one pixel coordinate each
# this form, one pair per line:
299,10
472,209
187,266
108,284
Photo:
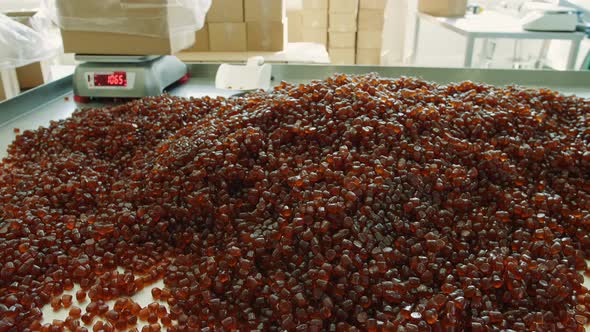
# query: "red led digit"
114,79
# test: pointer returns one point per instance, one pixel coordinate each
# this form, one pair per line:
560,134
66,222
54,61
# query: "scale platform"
107,76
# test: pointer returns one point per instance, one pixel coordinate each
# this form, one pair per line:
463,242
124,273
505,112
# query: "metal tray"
54,101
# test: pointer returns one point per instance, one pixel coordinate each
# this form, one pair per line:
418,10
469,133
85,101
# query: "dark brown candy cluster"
353,203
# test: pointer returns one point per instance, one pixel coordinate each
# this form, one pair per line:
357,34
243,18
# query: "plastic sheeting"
21,45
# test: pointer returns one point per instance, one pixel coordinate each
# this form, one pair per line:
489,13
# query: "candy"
357,202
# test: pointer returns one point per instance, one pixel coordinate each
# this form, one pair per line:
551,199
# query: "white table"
490,24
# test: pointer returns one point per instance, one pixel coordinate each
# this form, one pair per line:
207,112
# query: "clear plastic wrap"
21,45
151,18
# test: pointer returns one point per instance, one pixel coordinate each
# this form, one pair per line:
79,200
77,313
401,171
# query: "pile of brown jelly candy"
355,203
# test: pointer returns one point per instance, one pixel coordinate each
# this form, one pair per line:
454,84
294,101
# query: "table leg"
483,56
573,55
543,54
468,63
416,40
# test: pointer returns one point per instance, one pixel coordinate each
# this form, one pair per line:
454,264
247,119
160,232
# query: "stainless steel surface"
144,78
570,82
54,101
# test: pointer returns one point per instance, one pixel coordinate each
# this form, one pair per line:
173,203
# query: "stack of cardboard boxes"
243,25
354,28
266,28
370,31
314,21
295,22
224,15
225,27
342,31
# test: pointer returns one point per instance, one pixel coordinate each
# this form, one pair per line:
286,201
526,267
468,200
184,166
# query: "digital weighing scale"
108,76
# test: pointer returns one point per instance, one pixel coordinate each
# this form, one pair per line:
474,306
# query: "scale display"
119,80
105,76
114,79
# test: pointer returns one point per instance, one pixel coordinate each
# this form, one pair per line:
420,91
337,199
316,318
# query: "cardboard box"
368,56
131,17
201,40
342,56
33,75
95,27
342,39
227,37
295,26
266,36
344,6
265,10
84,42
319,36
8,84
226,11
315,4
371,19
446,8
343,22
373,4
314,19
369,39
